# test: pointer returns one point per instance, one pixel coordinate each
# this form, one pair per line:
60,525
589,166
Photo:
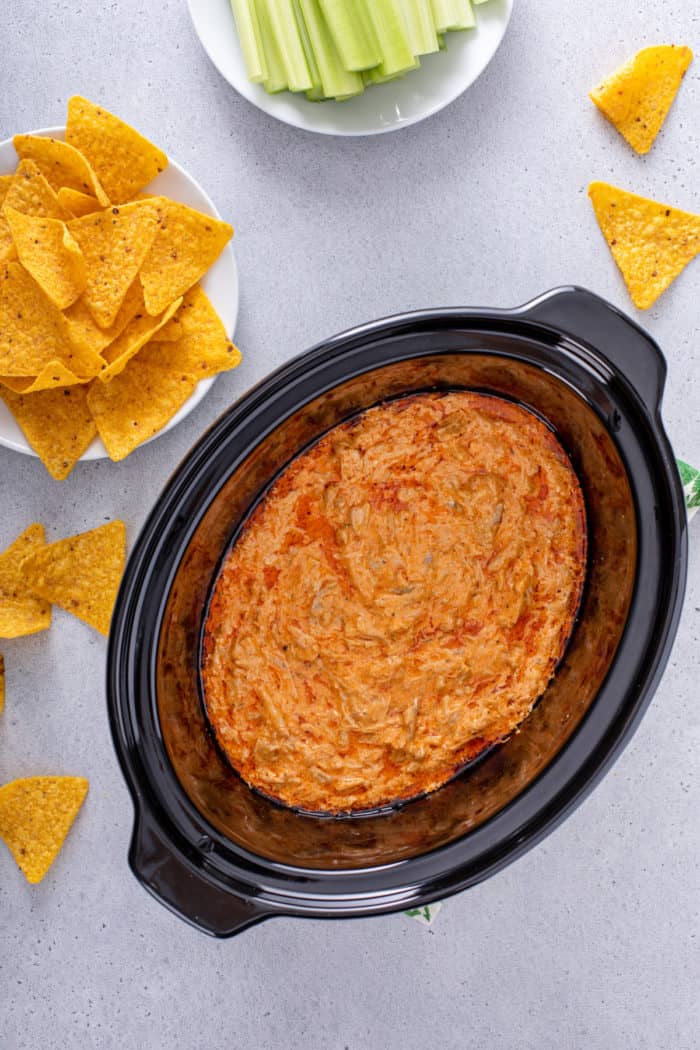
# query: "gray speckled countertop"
591,939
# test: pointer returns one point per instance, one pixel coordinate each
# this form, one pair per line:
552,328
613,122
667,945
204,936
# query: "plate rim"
96,449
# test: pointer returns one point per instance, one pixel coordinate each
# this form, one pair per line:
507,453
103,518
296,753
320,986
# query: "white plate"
440,80
220,284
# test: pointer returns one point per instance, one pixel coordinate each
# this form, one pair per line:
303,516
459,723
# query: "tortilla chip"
21,611
200,345
54,374
5,181
136,334
186,245
2,683
136,405
123,160
650,242
49,253
30,193
114,243
33,332
56,423
36,814
81,573
637,97
83,331
77,203
61,164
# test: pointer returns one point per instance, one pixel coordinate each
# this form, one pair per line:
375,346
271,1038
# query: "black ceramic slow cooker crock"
223,857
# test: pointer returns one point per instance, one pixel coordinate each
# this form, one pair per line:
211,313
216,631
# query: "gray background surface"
591,939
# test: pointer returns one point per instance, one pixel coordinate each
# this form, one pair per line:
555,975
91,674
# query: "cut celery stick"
284,26
444,14
316,89
387,20
421,28
336,80
246,19
351,34
375,77
466,18
276,75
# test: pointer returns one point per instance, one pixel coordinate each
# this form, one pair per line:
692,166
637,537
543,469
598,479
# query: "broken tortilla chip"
136,334
56,423
185,246
77,203
21,611
33,332
81,573
123,160
61,164
114,243
651,242
49,253
637,97
136,405
36,814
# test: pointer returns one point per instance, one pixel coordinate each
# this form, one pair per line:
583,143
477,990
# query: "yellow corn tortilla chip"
81,573
2,683
185,246
194,341
33,332
77,203
136,405
136,334
115,243
123,160
84,332
637,97
36,814
21,611
650,242
194,316
61,164
30,193
5,182
49,253
54,374
56,423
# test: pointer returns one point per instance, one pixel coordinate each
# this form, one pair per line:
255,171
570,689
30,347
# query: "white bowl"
441,78
220,284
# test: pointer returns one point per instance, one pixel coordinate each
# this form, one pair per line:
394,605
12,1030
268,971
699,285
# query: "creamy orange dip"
396,603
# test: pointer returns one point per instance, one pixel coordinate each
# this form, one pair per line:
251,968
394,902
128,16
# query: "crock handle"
171,880
617,337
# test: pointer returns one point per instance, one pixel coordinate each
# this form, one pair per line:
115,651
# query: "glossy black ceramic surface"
221,856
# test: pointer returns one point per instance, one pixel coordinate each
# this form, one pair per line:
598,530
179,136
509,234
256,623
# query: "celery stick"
465,15
444,14
276,75
375,77
353,37
316,90
421,28
284,27
246,19
387,20
336,80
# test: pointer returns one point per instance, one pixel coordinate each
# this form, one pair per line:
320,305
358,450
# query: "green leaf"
690,477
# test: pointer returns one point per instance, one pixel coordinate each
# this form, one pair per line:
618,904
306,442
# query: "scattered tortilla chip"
61,164
36,814
136,334
33,331
650,242
49,253
194,341
2,683
136,405
56,423
115,243
77,203
81,573
186,245
637,97
83,330
21,611
123,160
